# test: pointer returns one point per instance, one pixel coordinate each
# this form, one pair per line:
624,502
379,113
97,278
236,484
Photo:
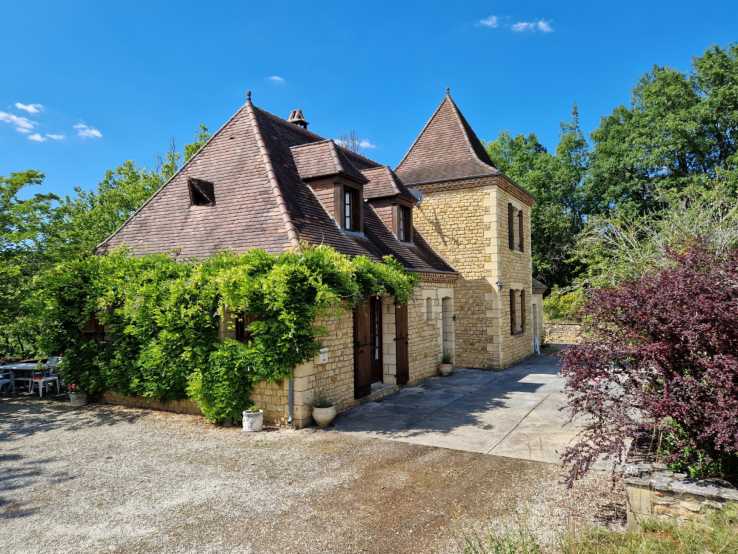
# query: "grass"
719,534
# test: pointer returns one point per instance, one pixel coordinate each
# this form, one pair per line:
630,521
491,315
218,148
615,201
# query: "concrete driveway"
514,413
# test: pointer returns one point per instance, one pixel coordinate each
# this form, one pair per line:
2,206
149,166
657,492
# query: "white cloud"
21,124
366,143
277,79
55,136
492,22
541,25
35,137
30,108
85,131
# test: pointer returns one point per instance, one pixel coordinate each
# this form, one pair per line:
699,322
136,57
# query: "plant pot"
446,369
77,398
253,420
323,416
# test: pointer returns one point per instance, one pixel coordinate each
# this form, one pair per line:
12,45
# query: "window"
242,322
351,210
429,309
202,193
404,223
512,243
517,317
510,227
521,240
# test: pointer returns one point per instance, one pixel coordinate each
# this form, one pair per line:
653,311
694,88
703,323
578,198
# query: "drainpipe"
290,400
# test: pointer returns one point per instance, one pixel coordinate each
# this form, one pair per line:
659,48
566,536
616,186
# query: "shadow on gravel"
25,416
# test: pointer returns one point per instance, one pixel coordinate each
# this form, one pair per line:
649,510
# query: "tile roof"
258,163
538,287
323,159
383,182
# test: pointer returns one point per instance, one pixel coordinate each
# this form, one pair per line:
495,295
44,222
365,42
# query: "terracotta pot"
323,416
77,399
253,421
446,369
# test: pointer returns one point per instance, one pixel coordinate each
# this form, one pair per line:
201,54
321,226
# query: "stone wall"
562,333
655,493
466,223
184,406
514,269
457,223
425,329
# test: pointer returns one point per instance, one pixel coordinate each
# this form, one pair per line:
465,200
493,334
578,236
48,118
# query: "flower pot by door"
323,416
446,369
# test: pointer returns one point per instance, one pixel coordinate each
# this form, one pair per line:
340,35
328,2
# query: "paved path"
514,412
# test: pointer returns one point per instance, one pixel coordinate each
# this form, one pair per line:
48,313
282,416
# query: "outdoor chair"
6,380
42,380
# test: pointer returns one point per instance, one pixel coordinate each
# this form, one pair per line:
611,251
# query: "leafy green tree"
679,134
555,180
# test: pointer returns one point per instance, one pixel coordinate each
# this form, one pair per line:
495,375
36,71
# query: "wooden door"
375,305
362,350
401,344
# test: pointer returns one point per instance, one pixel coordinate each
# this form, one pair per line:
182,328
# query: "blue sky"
119,80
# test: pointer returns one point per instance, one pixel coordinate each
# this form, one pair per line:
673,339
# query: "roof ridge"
465,128
314,135
420,134
271,175
180,170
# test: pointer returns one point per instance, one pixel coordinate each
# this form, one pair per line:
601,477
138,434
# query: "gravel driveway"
125,480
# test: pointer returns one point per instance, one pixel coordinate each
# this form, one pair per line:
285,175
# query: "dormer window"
404,223
202,193
351,209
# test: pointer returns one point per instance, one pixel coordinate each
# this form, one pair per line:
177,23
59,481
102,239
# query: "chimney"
298,119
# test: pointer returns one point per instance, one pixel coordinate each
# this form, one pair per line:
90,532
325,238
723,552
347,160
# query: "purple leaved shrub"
661,354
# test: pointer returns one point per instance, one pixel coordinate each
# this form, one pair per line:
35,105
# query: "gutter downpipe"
290,400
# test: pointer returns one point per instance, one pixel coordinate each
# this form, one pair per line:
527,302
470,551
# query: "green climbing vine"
161,319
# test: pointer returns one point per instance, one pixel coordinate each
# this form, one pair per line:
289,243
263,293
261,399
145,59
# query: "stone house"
446,213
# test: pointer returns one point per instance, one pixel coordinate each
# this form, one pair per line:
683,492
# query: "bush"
563,304
661,353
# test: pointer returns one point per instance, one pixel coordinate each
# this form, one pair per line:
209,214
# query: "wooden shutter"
521,239
512,312
511,226
522,311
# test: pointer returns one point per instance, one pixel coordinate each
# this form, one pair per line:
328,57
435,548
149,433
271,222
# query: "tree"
555,181
679,134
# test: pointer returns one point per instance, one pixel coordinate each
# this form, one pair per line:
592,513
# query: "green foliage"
222,386
719,533
555,180
162,319
563,304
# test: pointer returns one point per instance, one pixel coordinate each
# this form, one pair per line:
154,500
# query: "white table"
23,372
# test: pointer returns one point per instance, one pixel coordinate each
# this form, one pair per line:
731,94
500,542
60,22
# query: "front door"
401,345
368,365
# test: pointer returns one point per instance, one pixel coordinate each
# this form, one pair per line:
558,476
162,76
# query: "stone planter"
77,399
324,416
253,421
446,369
655,492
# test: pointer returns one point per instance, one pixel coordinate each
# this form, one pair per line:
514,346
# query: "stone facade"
562,333
465,222
655,493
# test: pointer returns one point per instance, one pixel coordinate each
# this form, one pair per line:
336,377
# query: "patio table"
21,372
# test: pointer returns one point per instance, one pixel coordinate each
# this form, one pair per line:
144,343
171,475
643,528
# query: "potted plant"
446,367
76,396
324,410
253,420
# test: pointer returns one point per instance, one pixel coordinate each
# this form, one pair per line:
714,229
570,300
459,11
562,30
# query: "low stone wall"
562,333
654,492
185,406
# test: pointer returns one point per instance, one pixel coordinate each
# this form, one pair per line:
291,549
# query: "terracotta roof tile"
323,159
